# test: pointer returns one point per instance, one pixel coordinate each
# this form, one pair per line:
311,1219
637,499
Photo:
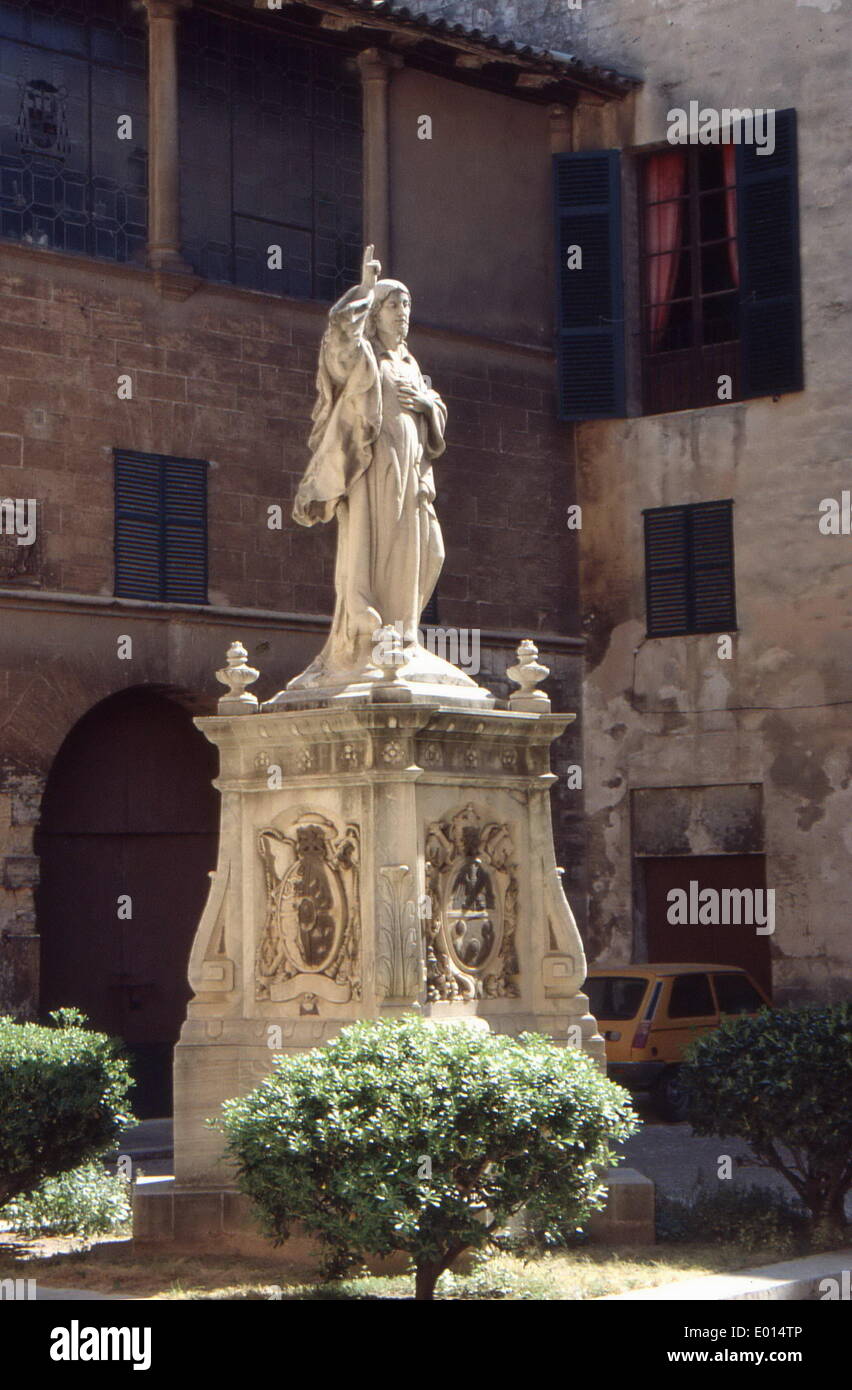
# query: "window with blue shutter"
160,528
590,314
689,569
719,256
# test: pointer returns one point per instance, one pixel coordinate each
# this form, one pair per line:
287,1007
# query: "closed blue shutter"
160,528
689,569
770,282
590,312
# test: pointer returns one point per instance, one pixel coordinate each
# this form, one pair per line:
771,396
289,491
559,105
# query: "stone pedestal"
376,856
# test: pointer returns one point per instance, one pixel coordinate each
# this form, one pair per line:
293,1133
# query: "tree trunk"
427,1274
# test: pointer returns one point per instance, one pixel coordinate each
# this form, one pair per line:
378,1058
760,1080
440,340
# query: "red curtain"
729,164
665,178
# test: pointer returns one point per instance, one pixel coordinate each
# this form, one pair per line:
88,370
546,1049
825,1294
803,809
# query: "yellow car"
648,1013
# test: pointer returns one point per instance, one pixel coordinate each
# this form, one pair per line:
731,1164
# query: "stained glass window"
74,126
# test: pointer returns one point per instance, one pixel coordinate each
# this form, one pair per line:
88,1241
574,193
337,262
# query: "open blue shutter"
590,313
768,241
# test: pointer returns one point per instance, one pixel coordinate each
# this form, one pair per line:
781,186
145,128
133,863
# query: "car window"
736,995
615,996
691,997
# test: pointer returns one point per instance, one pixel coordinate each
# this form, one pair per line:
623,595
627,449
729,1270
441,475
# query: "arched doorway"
129,826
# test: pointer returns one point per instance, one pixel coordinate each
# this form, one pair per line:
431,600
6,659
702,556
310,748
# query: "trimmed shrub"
782,1082
63,1099
87,1201
408,1135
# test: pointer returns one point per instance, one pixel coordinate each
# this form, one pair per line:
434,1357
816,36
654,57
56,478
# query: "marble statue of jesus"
377,427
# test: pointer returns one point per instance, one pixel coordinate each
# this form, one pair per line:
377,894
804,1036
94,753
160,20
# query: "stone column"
164,254
561,141
375,67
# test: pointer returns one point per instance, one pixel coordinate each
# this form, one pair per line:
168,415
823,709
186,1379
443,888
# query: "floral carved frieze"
311,938
472,891
399,968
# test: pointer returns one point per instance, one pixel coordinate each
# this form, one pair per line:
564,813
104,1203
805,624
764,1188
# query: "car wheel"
670,1097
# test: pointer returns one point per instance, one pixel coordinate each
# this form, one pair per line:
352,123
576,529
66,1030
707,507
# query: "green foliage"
87,1201
756,1217
63,1099
782,1082
422,1137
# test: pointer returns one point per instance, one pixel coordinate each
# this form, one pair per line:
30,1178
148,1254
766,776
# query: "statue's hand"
307,513
371,269
413,398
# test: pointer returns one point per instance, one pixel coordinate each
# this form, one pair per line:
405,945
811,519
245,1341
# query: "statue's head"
390,314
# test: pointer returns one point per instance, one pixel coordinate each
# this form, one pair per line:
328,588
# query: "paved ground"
671,1155
677,1161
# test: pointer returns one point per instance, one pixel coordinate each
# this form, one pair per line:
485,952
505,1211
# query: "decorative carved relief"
399,971
564,966
211,970
471,882
311,938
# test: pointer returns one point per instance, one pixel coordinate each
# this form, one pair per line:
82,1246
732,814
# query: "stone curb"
792,1279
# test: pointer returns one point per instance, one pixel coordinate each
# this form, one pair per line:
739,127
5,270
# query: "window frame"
698,356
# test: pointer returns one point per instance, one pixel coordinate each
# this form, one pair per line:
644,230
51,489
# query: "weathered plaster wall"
670,712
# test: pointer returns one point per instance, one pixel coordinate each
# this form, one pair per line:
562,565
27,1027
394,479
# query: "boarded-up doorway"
128,813
734,944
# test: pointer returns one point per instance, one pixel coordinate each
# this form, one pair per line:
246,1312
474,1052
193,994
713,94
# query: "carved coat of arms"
471,882
311,937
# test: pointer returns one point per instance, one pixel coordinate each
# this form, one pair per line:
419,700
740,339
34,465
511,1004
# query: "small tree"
782,1082
424,1137
63,1099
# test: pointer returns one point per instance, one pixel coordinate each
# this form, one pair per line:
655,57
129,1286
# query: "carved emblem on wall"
311,937
471,883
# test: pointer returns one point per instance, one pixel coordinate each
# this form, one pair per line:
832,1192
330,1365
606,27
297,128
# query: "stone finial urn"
236,675
527,674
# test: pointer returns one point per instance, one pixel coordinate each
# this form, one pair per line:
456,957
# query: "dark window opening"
690,277
160,528
689,569
270,146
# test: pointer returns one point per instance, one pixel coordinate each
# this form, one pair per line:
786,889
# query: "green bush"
88,1201
756,1217
63,1099
782,1082
422,1137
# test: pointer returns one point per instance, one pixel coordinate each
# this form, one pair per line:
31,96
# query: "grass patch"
111,1266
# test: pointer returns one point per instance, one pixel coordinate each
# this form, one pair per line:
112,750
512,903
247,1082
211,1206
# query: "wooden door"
129,826
732,944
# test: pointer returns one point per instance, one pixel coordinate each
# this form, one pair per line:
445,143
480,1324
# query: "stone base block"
215,1221
168,1219
628,1217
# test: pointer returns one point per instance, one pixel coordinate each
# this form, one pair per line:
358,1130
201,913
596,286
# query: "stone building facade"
706,761
155,187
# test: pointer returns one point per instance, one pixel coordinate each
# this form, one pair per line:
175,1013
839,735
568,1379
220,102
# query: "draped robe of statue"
370,468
